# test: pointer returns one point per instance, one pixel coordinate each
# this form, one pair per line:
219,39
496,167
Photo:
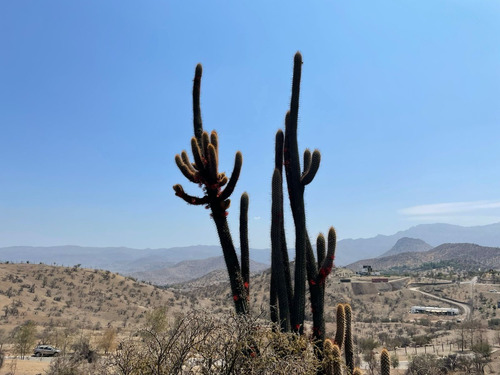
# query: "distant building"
366,270
434,310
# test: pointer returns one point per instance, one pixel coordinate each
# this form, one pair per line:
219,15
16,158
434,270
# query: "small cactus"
385,362
340,333
332,362
348,342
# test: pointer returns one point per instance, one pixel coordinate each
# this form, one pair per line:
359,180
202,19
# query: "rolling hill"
465,256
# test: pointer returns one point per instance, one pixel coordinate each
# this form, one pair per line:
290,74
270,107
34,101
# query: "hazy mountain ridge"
352,250
139,262
463,255
159,266
118,259
190,269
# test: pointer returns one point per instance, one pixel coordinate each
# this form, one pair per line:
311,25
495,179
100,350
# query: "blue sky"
400,97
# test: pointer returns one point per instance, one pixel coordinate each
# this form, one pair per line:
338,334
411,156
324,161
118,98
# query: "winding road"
463,306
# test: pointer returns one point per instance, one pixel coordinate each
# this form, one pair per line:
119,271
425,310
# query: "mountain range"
167,265
351,250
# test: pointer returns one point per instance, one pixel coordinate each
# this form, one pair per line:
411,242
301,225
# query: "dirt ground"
29,366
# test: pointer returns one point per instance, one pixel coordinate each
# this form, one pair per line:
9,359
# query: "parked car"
45,351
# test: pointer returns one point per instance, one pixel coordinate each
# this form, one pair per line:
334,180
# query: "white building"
434,310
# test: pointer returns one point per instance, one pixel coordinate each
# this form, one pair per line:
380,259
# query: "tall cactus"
385,362
287,304
205,172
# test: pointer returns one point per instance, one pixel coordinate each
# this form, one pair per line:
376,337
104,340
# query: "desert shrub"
426,364
82,351
202,343
24,338
68,366
494,323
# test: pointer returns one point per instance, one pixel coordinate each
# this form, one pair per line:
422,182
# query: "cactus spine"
204,171
288,304
385,363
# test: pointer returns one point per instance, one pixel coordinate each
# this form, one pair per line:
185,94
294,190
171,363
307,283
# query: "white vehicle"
46,351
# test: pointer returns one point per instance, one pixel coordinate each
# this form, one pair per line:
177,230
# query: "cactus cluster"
288,303
332,363
217,188
343,339
287,299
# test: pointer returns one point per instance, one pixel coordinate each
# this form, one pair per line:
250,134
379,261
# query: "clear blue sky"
402,98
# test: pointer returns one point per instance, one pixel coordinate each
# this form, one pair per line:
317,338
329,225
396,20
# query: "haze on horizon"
95,100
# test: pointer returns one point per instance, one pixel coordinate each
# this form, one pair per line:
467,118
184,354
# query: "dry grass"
25,367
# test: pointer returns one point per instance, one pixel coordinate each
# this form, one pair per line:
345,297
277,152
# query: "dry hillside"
87,298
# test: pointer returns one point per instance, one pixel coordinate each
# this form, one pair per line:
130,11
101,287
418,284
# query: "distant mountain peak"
351,250
407,245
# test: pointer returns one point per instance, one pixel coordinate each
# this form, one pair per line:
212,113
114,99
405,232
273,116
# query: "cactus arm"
197,155
238,161
212,164
197,123
205,141
245,252
340,332
294,102
179,191
307,161
327,265
214,140
337,363
320,249
185,160
186,169
310,173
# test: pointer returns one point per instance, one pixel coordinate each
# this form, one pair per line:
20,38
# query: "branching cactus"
217,189
287,303
385,362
